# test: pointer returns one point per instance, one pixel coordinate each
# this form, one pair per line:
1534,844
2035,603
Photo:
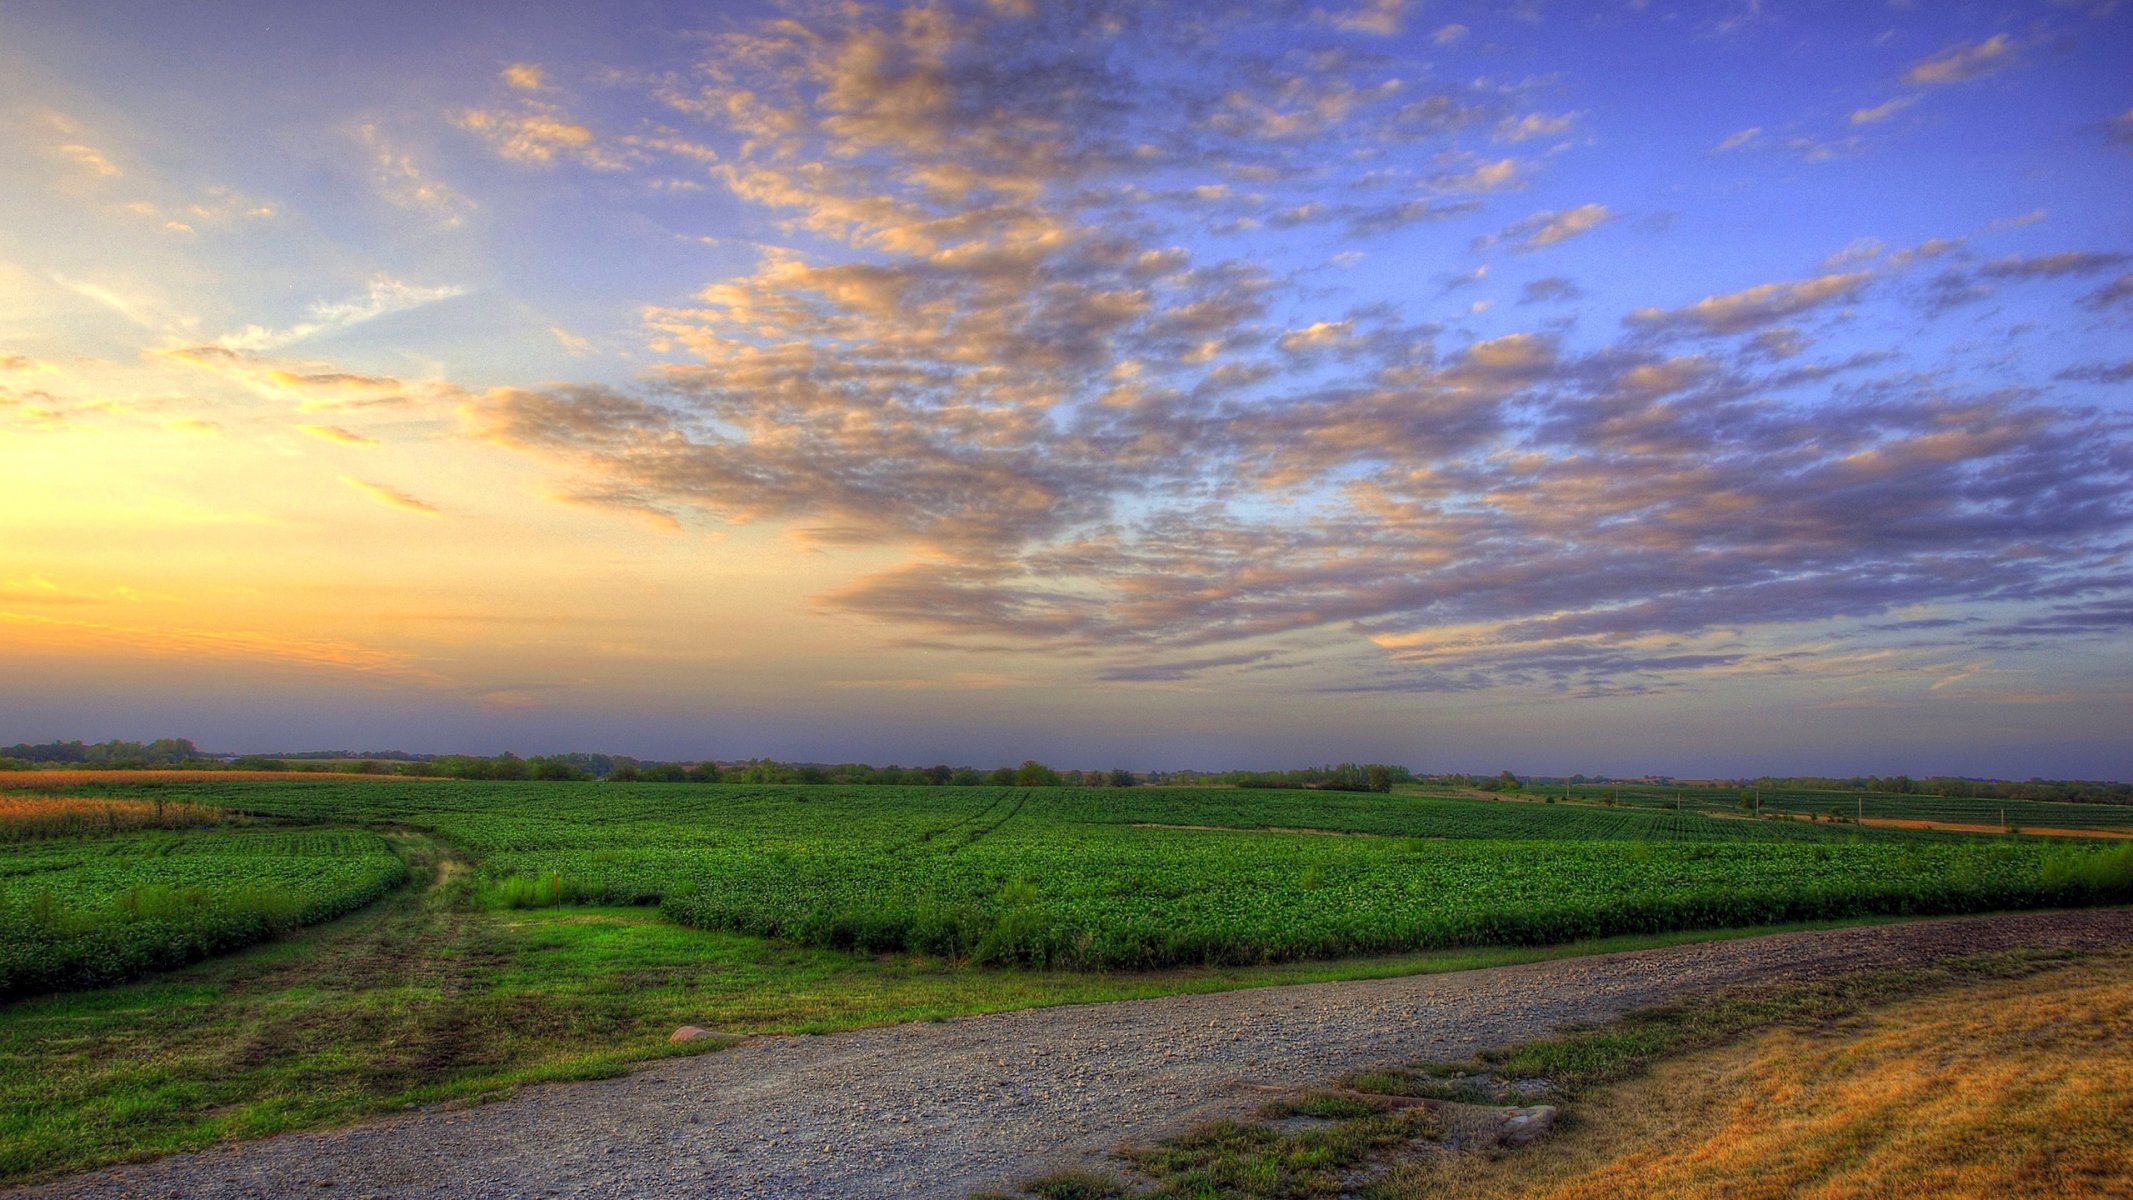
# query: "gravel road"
941,1110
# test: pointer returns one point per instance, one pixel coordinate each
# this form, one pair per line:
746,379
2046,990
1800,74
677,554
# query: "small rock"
1526,1124
688,1033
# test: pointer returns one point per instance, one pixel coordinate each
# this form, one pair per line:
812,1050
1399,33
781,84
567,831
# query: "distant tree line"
1346,777
2068,791
108,756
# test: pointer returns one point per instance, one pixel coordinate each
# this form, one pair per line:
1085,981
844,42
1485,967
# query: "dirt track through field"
941,1110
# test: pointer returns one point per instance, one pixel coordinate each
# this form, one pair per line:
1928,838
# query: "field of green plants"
85,910
1120,878
1813,802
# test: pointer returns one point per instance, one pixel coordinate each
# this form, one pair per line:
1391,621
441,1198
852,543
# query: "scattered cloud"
392,497
225,643
2116,294
1381,17
2118,372
404,184
1533,125
1884,110
2118,131
1551,288
382,297
526,77
90,159
1751,308
1548,228
1447,35
537,134
1965,61
334,433
1738,139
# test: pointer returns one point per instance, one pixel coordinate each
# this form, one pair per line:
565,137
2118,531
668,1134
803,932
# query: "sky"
1692,388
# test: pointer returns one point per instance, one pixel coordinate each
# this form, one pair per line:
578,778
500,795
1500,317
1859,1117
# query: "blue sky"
1705,388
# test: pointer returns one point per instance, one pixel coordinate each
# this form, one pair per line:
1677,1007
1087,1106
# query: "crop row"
96,910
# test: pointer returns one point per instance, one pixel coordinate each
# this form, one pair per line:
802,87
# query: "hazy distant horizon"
1684,388
1097,762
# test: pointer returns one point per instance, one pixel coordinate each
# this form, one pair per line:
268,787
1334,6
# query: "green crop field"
1810,802
1141,878
86,910
562,930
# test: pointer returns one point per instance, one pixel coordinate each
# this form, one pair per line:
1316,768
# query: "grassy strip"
1275,1160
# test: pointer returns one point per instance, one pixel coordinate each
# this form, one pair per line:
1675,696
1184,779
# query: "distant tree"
626,773
1035,774
1123,778
703,772
1001,777
556,769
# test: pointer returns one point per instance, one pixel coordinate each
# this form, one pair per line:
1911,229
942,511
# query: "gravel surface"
941,1110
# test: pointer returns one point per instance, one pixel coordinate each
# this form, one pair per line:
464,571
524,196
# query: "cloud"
1734,141
2118,131
1381,17
404,184
2116,294
526,77
1181,669
311,387
1956,286
1548,228
2118,372
392,497
1482,177
334,433
1447,35
91,159
2051,266
219,644
997,350
1553,287
1532,125
537,134
1751,308
383,296
1964,61
1883,111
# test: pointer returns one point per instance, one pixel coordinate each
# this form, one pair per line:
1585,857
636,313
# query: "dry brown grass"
45,780
2013,1089
24,817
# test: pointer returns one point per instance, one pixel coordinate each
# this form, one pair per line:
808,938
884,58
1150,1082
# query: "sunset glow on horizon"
1697,388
